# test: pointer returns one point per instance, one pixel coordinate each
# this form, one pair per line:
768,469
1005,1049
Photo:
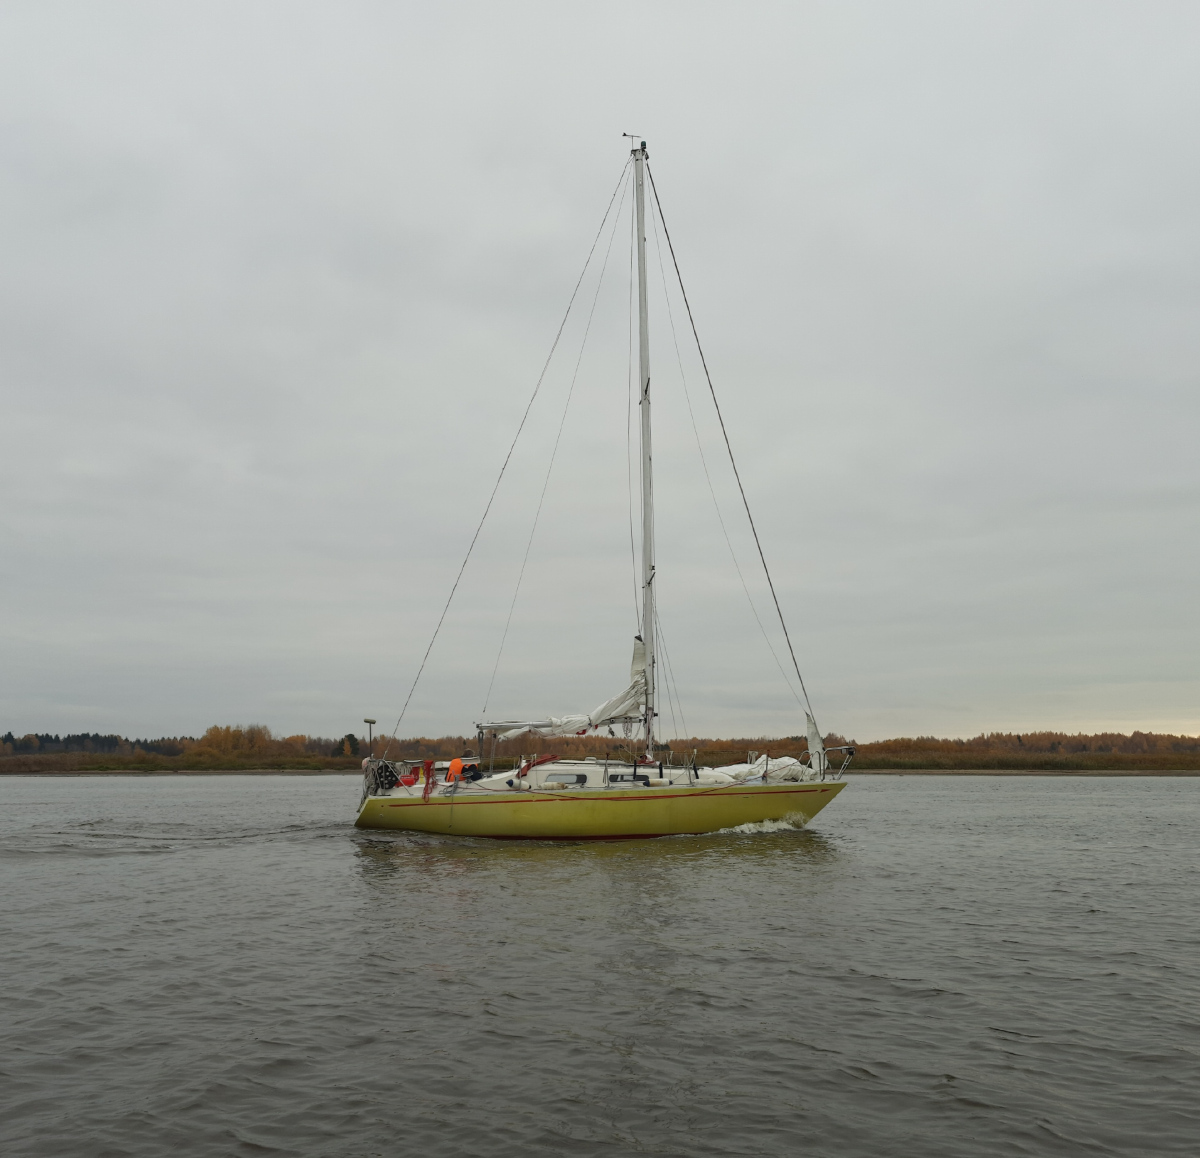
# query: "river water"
953,966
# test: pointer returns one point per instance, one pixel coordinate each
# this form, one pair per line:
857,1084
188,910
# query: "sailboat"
638,795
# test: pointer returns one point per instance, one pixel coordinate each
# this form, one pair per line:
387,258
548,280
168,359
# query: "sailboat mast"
648,621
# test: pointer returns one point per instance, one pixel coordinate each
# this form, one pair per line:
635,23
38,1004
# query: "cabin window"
566,778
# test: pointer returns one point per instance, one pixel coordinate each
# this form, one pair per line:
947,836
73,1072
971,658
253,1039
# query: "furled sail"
816,746
621,707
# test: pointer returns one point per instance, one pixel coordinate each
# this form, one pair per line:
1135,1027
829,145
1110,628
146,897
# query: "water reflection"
383,856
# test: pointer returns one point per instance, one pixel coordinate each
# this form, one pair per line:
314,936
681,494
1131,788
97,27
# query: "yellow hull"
603,814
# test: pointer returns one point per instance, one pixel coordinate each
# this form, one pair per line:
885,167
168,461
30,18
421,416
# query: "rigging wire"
666,678
704,463
554,452
504,466
725,434
671,680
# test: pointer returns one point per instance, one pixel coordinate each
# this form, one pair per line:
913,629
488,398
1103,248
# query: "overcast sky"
278,279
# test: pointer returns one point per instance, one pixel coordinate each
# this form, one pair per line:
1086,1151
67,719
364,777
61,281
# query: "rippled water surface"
937,966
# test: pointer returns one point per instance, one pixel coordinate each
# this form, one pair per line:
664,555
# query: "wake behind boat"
552,798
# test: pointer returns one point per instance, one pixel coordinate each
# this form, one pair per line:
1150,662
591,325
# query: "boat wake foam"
788,824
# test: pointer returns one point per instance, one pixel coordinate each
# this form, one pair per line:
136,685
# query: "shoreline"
851,773
191,772
1024,772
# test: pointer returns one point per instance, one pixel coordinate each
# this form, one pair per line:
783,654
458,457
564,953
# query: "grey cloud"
278,281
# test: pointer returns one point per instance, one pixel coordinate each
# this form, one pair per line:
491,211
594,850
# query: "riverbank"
255,750
59,773
1073,772
852,772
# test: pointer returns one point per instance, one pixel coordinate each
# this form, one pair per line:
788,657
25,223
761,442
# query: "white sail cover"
621,707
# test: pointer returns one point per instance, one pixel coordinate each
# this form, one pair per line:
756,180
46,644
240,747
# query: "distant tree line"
1037,751
89,742
255,746
1000,750
238,746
